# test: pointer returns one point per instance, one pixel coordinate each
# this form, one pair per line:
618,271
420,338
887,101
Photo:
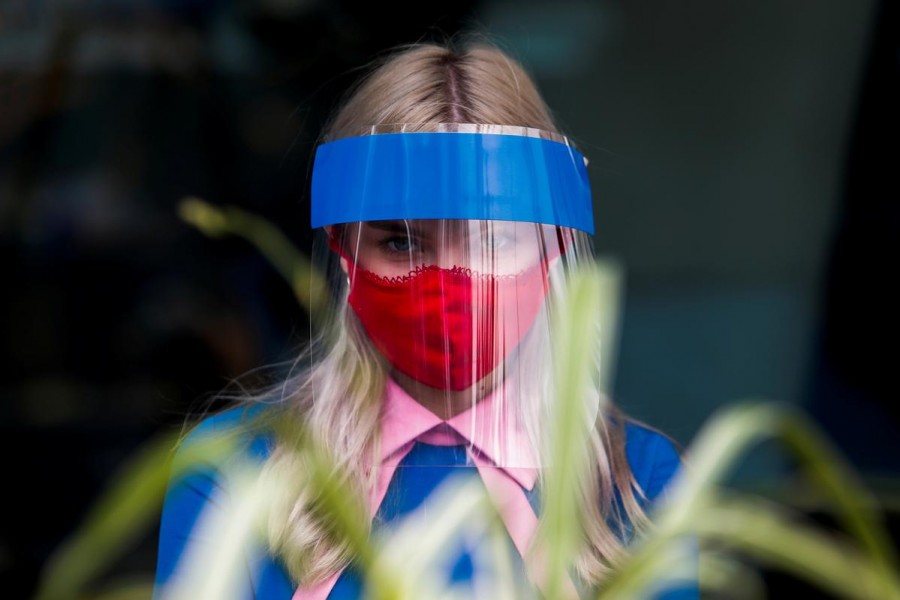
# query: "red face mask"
447,328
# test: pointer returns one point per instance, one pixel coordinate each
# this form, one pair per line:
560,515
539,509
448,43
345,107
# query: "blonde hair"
339,397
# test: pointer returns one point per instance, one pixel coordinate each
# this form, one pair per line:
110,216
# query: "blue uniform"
652,457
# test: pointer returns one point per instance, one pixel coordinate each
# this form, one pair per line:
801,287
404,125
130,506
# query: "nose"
450,244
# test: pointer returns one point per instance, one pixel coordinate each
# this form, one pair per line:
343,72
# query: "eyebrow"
401,227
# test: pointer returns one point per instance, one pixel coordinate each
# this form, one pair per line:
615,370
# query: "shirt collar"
485,430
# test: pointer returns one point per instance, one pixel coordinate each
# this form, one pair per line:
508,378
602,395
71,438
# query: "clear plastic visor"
458,313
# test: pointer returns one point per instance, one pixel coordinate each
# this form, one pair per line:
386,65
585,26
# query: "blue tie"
418,475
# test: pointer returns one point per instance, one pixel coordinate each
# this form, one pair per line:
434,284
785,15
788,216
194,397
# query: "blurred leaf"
132,590
213,570
609,275
724,575
695,496
765,532
576,326
125,510
730,434
309,286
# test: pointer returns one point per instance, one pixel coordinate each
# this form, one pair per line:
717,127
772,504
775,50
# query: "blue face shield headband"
482,172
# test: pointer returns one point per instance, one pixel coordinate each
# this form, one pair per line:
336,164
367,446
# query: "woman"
453,211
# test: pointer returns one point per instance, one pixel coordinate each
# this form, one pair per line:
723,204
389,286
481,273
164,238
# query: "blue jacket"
652,457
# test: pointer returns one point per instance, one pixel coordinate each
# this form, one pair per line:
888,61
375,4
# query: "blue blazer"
652,457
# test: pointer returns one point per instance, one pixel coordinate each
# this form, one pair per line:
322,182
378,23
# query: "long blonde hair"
339,396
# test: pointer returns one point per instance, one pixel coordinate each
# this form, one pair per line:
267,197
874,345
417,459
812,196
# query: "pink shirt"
499,450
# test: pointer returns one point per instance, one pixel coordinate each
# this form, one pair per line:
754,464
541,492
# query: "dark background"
743,161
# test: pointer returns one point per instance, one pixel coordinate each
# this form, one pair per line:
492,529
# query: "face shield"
450,246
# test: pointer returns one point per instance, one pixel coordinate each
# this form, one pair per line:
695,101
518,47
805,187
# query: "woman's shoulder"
653,456
241,424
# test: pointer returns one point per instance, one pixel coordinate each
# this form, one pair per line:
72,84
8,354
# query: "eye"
400,244
499,241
